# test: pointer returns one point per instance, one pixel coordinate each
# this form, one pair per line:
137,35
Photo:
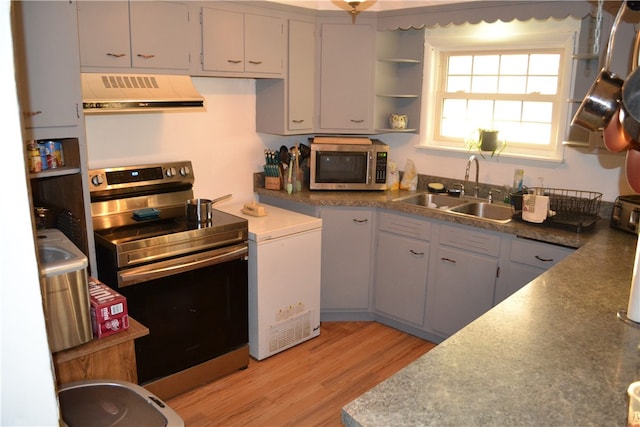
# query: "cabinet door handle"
357,121
416,253
297,121
116,55
452,261
31,113
255,62
539,258
234,61
148,56
360,221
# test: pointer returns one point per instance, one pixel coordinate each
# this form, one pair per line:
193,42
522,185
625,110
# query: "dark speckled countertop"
552,354
384,199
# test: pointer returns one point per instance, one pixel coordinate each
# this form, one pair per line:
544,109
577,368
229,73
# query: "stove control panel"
133,177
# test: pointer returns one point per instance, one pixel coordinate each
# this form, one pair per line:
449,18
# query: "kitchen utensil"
632,167
289,183
201,210
298,175
614,136
603,98
630,102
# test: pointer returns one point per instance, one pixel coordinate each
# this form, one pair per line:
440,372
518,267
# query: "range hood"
126,93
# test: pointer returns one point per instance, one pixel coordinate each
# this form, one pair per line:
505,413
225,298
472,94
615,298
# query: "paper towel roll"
633,309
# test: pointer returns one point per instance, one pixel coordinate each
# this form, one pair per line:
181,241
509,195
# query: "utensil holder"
297,179
272,183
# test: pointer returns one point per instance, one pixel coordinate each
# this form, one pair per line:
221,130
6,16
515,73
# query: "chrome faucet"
476,189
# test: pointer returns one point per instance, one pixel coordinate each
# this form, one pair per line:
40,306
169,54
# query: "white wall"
602,172
222,142
225,149
27,386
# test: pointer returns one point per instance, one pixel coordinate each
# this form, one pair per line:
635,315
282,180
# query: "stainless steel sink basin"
485,210
431,200
468,206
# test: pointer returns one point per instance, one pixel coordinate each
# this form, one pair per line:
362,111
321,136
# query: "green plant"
485,141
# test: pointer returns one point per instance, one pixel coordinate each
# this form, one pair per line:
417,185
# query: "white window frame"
516,36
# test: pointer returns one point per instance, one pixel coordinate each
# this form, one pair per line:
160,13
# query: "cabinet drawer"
410,227
537,254
470,240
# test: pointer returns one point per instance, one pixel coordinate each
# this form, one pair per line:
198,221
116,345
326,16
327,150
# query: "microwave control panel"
381,167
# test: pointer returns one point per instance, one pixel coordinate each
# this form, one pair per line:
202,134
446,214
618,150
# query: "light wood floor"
306,385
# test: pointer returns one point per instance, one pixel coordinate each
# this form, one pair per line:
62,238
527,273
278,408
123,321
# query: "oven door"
196,308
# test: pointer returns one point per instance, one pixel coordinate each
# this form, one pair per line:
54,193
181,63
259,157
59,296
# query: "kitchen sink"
468,206
485,210
431,200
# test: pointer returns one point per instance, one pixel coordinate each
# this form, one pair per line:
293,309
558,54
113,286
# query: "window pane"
537,112
484,84
512,84
544,64
460,64
480,111
455,108
455,128
486,64
543,85
514,64
459,84
507,110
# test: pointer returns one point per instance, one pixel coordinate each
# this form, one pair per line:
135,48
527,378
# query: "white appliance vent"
289,332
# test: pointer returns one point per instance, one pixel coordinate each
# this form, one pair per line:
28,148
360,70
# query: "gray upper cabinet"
347,69
151,35
237,44
47,64
399,69
301,76
286,106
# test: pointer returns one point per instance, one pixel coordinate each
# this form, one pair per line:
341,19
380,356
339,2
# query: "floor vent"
289,332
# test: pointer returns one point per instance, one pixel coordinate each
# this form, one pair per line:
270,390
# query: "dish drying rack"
574,209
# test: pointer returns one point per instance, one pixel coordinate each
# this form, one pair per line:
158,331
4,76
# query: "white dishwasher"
284,278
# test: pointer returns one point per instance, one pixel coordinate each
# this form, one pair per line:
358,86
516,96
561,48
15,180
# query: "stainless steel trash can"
100,403
65,290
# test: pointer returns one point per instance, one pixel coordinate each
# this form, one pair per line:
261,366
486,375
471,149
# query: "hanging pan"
603,99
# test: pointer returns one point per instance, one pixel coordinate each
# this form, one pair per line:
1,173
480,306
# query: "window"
511,77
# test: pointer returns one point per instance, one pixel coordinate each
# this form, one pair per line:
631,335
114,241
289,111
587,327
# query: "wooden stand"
112,358
272,182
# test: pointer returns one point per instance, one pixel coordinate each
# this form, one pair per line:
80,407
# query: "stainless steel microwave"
348,166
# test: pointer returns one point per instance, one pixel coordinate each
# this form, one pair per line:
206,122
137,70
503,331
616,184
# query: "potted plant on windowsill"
485,141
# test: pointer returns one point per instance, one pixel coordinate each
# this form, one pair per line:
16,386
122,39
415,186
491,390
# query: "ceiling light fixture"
354,8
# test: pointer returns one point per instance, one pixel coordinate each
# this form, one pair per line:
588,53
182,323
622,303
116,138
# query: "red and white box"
109,313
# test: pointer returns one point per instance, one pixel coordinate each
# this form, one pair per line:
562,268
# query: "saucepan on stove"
201,210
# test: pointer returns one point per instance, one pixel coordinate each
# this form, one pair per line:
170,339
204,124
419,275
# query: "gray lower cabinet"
527,260
463,278
347,237
401,268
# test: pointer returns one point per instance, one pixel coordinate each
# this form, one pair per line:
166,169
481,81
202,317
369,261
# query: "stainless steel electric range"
187,282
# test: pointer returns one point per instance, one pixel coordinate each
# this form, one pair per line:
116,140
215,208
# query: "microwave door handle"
369,168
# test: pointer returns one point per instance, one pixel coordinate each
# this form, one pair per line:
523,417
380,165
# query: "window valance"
477,11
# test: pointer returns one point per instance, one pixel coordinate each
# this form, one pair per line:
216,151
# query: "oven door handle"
182,265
